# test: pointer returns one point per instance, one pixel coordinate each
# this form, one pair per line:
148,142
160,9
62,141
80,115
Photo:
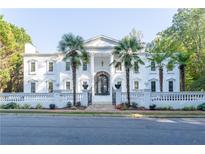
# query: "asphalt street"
66,130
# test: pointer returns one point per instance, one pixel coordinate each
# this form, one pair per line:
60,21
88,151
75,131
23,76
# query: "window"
67,85
85,67
171,87
50,66
67,66
33,87
136,68
33,66
50,87
153,68
153,86
118,67
136,84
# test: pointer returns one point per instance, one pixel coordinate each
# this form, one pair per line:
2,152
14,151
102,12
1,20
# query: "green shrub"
69,105
73,108
26,106
78,104
39,106
11,105
134,105
201,107
1,106
189,108
122,106
152,107
165,108
52,106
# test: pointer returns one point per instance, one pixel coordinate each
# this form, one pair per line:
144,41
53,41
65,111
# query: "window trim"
172,85
135,64
52,87
155,86
134,85
34,87
31,64
151,65
66,85
66,66
85,65
50,62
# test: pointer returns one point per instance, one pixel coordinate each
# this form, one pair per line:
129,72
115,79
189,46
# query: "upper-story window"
85,67
67,66
171,86
118,67
33,67
50,67
153,86
153,67
136,68
50,87
136,85
33,87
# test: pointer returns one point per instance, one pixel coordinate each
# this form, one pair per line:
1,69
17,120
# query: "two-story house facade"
48,72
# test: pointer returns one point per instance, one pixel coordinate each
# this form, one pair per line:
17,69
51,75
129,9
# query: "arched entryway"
102,83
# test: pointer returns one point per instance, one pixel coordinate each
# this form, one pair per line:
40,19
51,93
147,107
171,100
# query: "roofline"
101,36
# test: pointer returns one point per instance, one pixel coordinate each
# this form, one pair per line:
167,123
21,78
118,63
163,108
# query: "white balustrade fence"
59,99
176,100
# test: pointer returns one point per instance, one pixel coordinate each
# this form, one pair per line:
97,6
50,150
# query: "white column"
111,73
118,96
85,97
92,71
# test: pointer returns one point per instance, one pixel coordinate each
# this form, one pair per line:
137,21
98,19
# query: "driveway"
27,129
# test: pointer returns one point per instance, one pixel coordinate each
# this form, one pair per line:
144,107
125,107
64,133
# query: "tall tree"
12,41
189,27
187,35
127,54
157,55
73,48
181,59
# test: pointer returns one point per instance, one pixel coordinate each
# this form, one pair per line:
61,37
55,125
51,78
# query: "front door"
102,83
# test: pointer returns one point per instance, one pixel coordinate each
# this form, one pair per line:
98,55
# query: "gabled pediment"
101,42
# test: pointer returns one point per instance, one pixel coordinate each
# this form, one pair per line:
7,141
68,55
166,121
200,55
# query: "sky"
46,26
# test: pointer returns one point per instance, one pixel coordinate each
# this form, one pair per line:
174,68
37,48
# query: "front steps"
101,107
104,100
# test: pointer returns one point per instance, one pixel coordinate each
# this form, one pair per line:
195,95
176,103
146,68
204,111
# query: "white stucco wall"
100,48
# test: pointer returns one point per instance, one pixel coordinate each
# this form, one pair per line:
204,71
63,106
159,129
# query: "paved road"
99,130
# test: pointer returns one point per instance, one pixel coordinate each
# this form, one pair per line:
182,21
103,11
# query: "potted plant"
85,85
118,85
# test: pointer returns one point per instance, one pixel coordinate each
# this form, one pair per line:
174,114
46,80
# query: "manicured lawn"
132,113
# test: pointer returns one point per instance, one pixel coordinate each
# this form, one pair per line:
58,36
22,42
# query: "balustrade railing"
178,97
43,98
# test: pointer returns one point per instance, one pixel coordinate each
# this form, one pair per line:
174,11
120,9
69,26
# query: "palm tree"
156,48
180,58
73,48
127,55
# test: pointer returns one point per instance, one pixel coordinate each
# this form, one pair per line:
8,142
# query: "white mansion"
45,72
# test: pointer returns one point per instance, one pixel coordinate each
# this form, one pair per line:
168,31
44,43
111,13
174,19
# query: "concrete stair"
101,107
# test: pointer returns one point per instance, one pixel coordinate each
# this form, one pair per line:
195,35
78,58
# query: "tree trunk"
74,82
161,79
182,78
128,85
